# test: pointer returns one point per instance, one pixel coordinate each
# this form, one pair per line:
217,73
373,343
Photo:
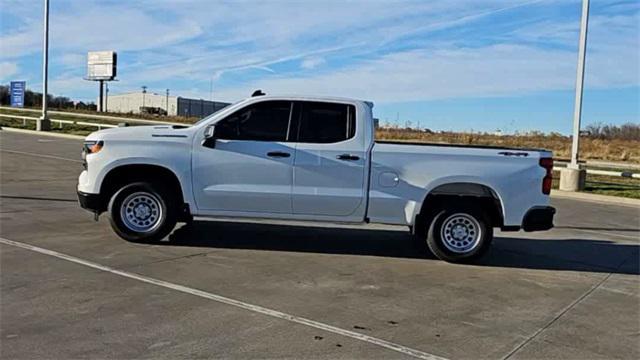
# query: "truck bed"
402,172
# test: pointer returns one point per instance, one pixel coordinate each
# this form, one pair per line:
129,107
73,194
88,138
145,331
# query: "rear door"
250,168
329,164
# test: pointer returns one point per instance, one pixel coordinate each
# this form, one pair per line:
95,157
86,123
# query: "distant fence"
97,117
60,121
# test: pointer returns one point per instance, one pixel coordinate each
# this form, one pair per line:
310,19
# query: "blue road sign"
17,93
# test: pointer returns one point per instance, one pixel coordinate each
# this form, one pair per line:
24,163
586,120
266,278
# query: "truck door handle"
348,157
278,154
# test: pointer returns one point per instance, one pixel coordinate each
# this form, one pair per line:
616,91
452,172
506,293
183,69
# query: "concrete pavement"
572,292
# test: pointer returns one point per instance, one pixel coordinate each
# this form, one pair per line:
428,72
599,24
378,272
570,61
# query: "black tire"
154,201
467,232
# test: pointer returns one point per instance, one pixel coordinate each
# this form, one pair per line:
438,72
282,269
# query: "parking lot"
70,288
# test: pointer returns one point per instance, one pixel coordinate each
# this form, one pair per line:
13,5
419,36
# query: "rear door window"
325,123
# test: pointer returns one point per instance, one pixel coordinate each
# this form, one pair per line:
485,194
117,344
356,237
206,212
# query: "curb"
42,133
596,198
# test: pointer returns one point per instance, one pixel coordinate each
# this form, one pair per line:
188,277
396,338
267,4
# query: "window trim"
287,138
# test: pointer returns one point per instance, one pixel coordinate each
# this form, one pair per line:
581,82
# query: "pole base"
43,124
572,179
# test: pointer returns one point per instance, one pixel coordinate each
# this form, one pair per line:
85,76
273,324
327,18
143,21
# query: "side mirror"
209,132
209,137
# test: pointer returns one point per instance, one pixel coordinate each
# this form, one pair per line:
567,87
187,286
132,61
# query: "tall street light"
166,105
573,178
144,91
43,123
577,112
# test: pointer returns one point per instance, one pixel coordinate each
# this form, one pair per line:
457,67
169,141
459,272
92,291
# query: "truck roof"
311,98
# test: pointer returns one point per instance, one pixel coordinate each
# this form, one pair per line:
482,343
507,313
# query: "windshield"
213,114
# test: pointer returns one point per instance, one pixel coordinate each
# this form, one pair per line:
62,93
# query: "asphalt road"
258,290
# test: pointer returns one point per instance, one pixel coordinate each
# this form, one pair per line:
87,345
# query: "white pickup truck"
316,159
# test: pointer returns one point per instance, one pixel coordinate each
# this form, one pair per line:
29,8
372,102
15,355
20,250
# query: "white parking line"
610,233
40,155
225,300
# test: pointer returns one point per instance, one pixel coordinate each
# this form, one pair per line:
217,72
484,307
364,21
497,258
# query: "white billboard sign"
101,65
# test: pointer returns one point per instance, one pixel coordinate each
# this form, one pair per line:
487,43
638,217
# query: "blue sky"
447,65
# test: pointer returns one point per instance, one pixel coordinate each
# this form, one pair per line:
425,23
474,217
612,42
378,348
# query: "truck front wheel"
459,234
142,212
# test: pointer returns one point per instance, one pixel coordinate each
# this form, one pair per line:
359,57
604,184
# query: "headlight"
92,147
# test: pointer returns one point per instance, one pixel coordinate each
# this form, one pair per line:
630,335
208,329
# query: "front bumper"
538,218
92,202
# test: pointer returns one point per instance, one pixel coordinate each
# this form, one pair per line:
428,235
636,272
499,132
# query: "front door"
250,166
329,166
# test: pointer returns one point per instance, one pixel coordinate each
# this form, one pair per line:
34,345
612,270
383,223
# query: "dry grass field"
590,148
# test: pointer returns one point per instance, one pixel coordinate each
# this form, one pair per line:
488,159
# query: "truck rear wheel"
459,234
142,212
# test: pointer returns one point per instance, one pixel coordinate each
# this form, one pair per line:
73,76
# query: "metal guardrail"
601,163
97,117
626,174
60,121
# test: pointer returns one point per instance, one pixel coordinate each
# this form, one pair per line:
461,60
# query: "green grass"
607,185
64,129
78,117
57,127
614,186
58,117
613,190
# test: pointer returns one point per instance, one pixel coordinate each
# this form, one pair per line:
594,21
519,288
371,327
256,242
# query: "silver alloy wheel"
460,233
141,212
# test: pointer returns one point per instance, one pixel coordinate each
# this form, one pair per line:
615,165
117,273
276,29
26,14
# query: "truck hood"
146,132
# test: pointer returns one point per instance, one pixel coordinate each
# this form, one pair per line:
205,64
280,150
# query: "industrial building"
138,102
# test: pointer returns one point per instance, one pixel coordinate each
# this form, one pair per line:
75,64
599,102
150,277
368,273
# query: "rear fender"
460,186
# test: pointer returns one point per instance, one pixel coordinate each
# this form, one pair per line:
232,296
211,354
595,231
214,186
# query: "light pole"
167,102
43,123
573,178
577,111
144,91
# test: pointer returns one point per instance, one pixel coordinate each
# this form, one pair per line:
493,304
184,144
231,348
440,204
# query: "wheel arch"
124,174
470,192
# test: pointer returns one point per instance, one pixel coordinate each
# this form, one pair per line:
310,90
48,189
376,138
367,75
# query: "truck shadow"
585,255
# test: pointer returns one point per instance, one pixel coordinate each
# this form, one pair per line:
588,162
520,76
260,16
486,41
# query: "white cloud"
388,52
21,42
312,63
65,84
72,60
497,70
8,70
87,27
